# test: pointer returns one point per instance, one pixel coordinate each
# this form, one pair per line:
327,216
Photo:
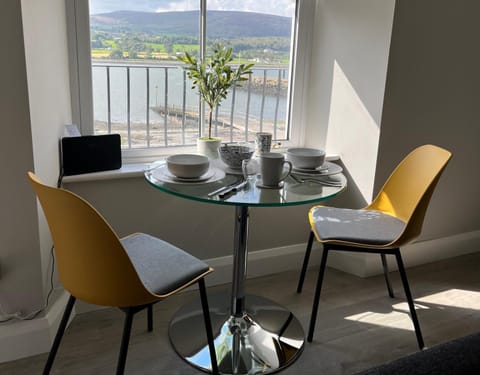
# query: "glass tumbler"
250,170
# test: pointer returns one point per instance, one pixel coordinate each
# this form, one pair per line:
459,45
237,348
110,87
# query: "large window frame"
78,27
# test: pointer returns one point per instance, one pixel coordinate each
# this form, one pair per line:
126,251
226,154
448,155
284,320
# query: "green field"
107,45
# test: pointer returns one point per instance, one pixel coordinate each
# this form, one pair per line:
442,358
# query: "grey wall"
432,96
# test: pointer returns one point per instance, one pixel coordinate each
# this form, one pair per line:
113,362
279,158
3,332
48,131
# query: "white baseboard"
281,259
366,265
260,263
26,338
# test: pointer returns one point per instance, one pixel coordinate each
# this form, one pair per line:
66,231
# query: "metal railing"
154,106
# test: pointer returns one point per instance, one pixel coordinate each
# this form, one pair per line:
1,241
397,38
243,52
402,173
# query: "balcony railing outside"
155,106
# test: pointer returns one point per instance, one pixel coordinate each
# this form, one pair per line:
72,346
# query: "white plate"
204,177
312,170
234,171
162,174
326,169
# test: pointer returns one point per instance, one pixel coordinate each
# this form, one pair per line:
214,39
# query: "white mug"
271,168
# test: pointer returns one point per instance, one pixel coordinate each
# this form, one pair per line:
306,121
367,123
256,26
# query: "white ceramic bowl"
233,154
187,165
306,158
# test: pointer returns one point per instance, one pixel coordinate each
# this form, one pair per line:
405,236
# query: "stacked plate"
161,173
186,168
311,162
326,169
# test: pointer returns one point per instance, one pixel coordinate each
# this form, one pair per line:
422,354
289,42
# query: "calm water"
173,97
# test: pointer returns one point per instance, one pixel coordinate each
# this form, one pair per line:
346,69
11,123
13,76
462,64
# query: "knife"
233,189
223,188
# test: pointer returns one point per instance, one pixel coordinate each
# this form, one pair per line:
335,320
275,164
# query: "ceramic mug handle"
289,169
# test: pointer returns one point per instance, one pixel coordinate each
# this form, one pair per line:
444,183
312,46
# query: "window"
139,90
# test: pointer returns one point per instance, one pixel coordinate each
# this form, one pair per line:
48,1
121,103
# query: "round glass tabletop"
252,335
295,190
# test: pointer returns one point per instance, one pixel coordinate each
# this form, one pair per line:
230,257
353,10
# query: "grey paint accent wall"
432,96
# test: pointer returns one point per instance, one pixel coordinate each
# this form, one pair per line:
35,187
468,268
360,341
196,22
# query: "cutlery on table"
316,181
233,189
225,188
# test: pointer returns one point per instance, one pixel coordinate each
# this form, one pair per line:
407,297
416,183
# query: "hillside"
221,24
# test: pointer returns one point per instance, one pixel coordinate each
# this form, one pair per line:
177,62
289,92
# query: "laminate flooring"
358,325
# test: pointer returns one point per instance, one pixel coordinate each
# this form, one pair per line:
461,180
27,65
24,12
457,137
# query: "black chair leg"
150,318
413,313
318,289
59,335
208,326
385,273
127,329
305,262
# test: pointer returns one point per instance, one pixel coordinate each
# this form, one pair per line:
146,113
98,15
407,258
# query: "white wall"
21,273
48,77
35,104
350,48
430,96
205,230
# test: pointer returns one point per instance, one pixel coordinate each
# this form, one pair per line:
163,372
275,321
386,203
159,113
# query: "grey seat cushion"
357,226
161,266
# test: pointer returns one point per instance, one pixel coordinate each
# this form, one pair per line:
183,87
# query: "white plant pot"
209,147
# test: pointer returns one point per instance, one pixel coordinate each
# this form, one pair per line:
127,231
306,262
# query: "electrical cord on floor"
6,317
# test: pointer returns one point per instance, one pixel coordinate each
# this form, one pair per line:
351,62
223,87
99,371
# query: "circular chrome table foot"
265,339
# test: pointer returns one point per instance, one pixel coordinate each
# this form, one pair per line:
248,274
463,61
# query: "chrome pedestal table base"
265,339
251,336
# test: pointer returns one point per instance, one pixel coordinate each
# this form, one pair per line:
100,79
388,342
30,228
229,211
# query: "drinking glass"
250,170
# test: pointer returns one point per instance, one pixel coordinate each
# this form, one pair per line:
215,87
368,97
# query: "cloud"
278,7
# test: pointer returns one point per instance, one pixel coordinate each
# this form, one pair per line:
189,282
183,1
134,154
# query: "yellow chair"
393,219
97,267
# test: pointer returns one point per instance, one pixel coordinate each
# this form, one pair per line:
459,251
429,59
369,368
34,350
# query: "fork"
316,181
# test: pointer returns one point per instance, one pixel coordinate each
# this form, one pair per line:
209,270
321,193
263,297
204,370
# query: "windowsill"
126,171
129,171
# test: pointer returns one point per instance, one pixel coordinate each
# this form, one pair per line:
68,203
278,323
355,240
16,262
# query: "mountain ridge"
221,24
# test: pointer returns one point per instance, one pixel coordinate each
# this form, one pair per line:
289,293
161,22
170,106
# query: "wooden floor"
358,326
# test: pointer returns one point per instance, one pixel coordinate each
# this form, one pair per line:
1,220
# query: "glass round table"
252,335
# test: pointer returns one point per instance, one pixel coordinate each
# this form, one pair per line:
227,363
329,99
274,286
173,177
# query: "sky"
278,7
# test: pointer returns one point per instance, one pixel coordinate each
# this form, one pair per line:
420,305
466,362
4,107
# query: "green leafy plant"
214,77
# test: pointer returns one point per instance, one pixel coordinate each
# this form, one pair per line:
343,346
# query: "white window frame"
78,28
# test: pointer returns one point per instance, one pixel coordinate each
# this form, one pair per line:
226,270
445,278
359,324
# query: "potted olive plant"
213,78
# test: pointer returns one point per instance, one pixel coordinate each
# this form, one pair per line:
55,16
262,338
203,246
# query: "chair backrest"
408,190
92,263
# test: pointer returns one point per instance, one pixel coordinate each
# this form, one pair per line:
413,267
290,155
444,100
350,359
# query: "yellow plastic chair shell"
92,263
406,193
408,202
405,197
94,267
